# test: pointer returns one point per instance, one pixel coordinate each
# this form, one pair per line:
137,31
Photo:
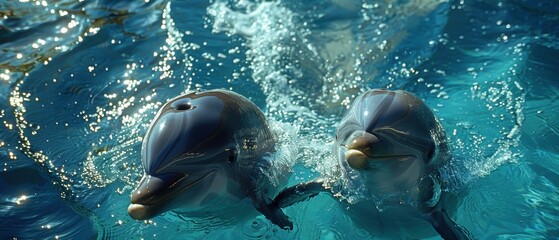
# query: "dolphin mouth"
153,193
385,173
379,150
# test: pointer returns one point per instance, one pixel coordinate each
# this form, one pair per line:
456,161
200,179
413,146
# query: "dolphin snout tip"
138,211
356,159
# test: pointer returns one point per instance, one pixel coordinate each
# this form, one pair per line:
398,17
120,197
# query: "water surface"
81,80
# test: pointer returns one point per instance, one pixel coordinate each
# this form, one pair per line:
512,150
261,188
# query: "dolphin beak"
365,151
360,143
356,159
139,211
151,193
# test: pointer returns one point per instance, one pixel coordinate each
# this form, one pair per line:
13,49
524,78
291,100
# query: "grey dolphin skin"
392,144
204,151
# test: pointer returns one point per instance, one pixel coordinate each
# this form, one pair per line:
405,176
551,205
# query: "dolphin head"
189,155
388,137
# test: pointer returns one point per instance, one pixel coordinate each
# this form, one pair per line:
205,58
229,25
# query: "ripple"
26,217
256,228
327,232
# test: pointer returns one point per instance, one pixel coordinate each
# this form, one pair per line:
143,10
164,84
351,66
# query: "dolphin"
389,147
204,153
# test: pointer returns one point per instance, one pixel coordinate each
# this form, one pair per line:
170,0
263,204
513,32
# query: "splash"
506,104
273,38
312,67
286,153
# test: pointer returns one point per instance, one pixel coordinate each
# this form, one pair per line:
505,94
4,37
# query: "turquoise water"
81,81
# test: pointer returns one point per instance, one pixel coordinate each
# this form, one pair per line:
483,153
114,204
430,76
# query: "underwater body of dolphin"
389,147
207,153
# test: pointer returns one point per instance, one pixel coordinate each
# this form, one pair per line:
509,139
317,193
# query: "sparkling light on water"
80,81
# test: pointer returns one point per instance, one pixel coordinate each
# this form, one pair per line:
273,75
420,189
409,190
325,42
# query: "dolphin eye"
232,155
431,152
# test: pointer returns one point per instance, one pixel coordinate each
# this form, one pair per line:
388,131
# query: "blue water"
81,81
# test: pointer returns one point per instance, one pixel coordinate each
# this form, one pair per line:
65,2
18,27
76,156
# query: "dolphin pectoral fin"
299,193
272,212
287,197
447,228
434,212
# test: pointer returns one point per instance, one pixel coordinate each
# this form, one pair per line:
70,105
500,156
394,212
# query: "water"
80,82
